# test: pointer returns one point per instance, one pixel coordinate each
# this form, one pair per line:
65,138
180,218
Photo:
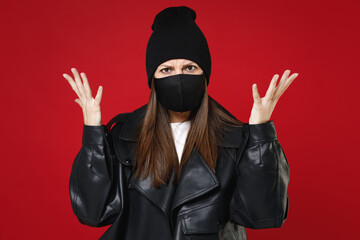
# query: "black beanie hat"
176,35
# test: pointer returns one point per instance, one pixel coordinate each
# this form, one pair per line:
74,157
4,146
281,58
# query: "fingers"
284,83
280,87
98,96
290,80
285,75
86,85
78,82
270,92
78,102
72,84
256,95
81,88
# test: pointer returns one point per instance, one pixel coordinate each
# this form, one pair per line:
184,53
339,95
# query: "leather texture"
248,190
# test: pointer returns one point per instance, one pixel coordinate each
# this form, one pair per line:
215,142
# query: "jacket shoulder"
117,120
131,119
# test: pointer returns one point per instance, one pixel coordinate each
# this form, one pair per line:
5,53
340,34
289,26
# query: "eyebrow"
190,63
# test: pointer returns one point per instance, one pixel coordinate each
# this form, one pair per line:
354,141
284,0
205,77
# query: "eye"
191,67
166,70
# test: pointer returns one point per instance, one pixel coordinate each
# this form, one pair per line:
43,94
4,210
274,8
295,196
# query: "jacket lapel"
196,178
161,197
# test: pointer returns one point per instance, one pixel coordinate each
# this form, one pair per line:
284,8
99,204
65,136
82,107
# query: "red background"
316,119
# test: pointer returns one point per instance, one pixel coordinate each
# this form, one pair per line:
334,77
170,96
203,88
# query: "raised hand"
89,105
263,107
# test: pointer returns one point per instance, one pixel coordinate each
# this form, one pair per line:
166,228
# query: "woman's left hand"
263,107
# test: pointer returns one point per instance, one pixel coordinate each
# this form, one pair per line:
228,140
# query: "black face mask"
181,92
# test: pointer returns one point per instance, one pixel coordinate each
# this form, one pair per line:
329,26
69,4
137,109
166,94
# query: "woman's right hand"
89,105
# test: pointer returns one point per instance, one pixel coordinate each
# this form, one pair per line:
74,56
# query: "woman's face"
177,66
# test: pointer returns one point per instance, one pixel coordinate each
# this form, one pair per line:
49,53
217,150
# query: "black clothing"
249,188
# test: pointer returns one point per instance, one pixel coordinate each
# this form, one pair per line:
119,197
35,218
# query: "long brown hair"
155,153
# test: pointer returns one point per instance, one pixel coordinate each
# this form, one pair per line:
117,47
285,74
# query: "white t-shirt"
180,131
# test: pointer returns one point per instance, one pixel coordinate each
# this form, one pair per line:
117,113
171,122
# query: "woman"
180,166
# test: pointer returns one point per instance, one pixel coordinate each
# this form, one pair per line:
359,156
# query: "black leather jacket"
249,188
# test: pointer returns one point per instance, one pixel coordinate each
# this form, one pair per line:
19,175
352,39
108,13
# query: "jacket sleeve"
260,199
94,185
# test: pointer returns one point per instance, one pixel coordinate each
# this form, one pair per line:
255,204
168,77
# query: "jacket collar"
232,135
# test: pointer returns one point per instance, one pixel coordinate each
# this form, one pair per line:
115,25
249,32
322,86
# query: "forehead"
178,61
